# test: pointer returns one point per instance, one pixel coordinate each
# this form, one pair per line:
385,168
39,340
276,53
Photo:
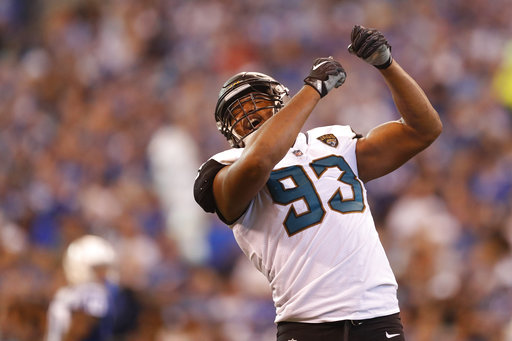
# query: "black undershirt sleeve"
203,187
357,135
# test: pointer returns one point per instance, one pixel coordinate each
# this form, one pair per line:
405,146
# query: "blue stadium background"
106,111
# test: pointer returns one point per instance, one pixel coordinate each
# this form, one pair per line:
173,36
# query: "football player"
297,204
83,310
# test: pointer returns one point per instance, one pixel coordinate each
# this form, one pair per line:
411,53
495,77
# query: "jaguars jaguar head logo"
329,139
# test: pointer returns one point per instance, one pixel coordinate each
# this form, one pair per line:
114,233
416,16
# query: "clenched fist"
371,46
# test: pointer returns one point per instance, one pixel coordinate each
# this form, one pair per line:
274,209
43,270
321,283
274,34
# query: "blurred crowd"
106,112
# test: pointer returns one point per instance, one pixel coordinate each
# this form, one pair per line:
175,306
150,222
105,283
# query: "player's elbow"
435,130
429,131
438,129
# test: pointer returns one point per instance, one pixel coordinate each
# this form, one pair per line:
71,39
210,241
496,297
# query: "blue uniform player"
85,309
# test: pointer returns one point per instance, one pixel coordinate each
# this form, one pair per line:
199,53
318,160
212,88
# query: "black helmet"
255,84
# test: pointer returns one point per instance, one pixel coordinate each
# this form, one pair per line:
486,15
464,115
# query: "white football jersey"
90,298
311,233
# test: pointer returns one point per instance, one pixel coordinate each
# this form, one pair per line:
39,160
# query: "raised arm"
390,145
236,185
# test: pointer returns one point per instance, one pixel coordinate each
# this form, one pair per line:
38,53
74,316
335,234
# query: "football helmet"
238,90
86,253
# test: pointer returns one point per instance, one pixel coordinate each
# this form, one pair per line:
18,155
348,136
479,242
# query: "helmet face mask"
248,113
245,101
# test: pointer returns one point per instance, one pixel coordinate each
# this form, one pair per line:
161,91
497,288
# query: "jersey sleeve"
203,186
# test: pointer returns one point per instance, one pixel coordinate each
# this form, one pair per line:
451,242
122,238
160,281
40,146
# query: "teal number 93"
303,189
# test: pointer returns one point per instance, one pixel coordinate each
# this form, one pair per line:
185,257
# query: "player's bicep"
227,189
386,148
234,188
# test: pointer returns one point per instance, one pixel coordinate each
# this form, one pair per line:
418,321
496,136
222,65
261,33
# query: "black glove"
371,46
325,74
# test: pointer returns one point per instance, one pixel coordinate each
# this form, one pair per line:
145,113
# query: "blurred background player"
85,308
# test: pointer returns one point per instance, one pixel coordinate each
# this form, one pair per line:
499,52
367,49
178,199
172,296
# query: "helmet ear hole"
260,87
